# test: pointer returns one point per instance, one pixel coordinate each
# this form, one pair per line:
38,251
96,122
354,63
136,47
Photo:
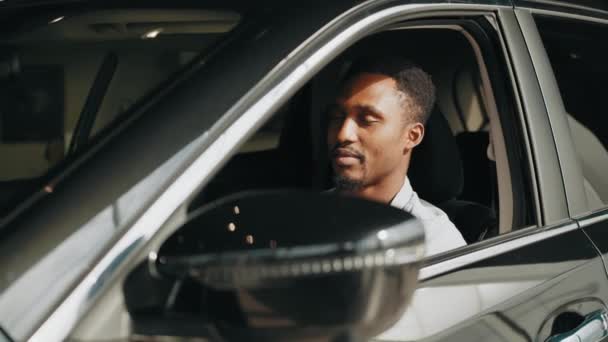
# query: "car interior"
451,167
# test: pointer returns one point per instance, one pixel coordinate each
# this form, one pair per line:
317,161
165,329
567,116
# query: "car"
127,128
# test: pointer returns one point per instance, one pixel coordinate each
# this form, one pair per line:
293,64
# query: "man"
374,125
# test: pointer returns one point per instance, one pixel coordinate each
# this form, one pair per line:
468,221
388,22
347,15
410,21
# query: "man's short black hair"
414,82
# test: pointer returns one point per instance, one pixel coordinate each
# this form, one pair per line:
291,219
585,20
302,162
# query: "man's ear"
414,134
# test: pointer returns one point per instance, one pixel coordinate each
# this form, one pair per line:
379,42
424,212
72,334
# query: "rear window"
578,55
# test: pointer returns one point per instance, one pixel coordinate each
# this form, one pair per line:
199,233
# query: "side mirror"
287,266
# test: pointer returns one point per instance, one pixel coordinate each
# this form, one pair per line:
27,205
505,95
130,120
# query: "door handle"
594,328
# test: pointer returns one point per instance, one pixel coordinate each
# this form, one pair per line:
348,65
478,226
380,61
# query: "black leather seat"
479,171
436,173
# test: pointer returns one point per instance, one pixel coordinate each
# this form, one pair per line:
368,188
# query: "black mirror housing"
295,265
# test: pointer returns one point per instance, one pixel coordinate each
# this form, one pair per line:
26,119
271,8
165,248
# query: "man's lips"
344,157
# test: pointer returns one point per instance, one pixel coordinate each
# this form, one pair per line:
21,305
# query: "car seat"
436,174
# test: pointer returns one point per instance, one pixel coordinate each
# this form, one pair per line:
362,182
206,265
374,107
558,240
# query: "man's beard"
342,182
346,184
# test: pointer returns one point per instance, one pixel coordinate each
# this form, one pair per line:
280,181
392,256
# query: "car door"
536,283
567,43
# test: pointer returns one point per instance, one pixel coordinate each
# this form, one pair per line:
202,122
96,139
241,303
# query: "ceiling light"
56,20
152,34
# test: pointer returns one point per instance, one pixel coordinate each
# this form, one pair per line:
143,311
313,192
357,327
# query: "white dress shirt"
427,313
440,233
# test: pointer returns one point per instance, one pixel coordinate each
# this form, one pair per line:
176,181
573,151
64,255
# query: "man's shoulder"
430,212
441,234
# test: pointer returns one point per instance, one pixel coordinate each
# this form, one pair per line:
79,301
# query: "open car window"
457,142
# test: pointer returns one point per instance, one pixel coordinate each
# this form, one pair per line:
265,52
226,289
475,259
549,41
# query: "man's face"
367,135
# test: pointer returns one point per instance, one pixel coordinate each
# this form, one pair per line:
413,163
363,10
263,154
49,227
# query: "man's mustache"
346,151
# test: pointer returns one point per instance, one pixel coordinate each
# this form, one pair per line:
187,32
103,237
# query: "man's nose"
347,132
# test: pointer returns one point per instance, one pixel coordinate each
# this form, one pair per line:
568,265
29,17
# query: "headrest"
436,168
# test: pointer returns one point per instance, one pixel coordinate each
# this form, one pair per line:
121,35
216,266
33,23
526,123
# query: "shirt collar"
404,196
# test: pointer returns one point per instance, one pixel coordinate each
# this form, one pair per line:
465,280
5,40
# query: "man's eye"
369,119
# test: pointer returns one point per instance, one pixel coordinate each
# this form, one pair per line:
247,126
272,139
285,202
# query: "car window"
459,127
578,55
66,80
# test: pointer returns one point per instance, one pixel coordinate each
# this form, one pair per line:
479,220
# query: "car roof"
159,3
586,4
566,5
233,4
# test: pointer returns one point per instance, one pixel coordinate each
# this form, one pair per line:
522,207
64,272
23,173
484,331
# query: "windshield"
67,77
